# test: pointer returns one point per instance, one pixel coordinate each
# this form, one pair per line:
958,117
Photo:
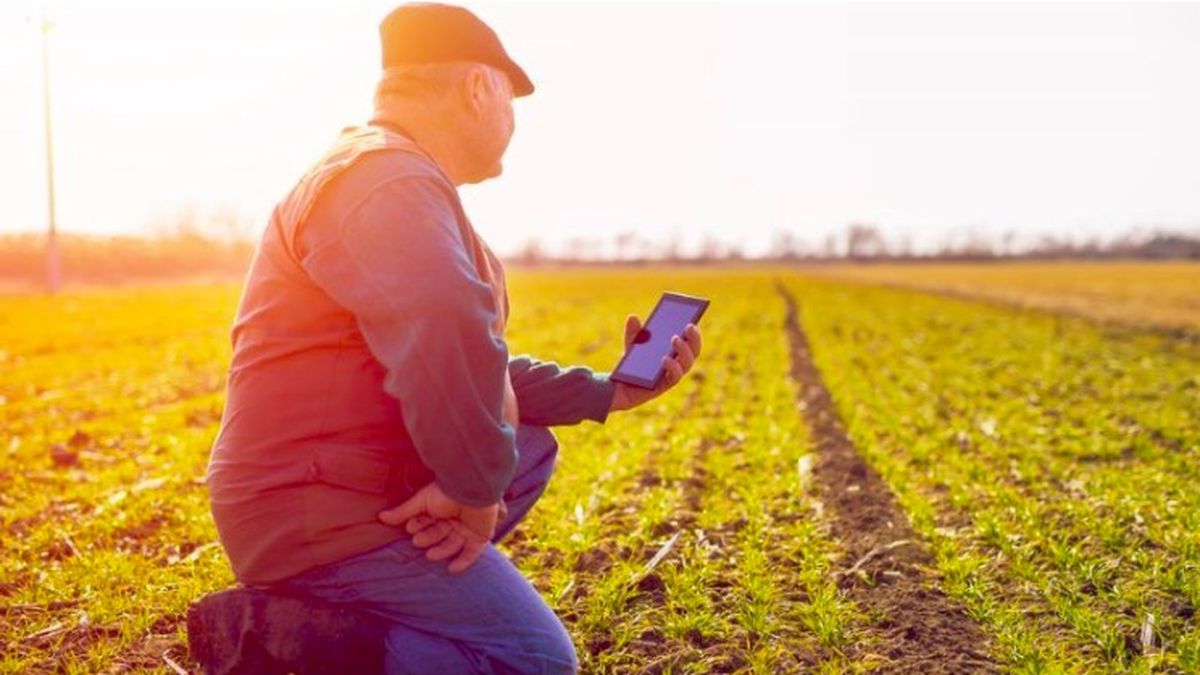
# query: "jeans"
487,619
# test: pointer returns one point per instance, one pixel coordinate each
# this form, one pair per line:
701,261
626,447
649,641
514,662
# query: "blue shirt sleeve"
397,261
550,395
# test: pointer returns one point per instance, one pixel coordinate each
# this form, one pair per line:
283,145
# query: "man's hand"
687,350
444,527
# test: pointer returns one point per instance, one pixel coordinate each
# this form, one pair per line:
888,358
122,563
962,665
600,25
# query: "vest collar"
391,126
395,128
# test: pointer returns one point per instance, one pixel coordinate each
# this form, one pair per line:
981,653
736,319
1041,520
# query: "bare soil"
887,570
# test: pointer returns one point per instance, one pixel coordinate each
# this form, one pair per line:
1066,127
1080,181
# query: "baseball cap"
431,32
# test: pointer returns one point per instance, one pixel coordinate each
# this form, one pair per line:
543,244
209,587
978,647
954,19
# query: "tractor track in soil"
912,625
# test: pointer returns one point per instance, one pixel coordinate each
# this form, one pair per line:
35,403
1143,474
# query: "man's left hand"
687,350
445,528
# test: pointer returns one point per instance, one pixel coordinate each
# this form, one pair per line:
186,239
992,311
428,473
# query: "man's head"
460,110
449,82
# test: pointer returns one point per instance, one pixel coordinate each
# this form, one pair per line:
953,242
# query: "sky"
726,120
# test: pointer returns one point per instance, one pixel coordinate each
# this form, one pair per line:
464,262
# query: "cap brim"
521,84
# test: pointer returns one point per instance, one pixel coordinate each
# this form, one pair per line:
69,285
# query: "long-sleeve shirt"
550,395
369,358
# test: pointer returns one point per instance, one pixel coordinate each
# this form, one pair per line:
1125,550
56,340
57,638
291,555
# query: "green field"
954,486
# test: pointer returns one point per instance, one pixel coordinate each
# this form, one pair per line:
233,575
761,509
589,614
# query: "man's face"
492,129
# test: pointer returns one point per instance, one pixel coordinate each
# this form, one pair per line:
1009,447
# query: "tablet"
642,364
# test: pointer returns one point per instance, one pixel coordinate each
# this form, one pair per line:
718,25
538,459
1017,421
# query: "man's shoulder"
375,156
375,167
393,175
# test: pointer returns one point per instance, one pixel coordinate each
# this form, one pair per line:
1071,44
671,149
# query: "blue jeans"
488,619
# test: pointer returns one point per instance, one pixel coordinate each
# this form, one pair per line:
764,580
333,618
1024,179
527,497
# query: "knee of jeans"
555,651
539,442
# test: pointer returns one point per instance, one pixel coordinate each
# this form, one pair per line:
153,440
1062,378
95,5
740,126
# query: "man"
377,437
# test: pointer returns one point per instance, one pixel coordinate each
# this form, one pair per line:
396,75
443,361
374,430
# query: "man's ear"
476,91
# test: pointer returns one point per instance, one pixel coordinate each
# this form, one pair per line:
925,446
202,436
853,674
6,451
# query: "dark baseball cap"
431,32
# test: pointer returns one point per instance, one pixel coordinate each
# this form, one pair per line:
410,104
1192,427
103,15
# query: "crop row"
1051,465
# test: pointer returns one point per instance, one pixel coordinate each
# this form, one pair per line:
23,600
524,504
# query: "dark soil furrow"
887,571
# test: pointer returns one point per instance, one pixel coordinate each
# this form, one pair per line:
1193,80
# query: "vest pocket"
351,468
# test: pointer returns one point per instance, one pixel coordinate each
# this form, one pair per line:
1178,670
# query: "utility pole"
53,272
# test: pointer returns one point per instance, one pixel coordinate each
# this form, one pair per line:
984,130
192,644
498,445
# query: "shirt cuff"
597,400
471,499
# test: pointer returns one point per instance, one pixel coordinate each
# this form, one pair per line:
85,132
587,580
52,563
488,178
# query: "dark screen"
645,358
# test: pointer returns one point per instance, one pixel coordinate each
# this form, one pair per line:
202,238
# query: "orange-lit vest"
352,142
286,495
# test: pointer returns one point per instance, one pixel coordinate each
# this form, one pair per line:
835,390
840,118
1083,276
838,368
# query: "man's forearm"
550,395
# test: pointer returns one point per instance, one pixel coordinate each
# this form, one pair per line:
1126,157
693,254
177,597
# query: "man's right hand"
444,527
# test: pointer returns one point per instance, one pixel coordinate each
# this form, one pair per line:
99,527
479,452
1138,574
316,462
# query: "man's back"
311,445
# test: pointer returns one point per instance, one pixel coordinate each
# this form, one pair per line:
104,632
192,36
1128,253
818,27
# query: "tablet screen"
644,358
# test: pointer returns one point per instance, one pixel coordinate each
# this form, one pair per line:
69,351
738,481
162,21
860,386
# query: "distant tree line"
865,242
186,245
119,259
220,245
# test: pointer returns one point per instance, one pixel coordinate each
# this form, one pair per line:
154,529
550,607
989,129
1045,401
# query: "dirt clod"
62,457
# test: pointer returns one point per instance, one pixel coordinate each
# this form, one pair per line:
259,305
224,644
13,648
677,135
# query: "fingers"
686,351
692,334
447,547
632,326
683,353
434,534
472,548
674,373
467,532
426,530
469,554
413,506
445,539
462,543
427,517
676,366
478,523
418,523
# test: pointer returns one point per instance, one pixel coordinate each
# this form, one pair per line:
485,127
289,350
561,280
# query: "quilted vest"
352,143
288,494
